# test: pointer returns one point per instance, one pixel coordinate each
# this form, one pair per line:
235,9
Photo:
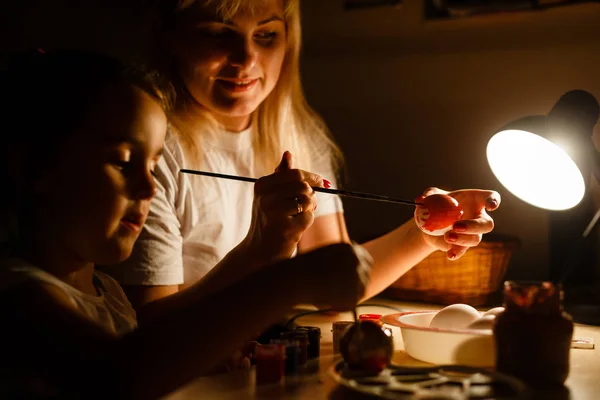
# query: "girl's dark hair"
46,97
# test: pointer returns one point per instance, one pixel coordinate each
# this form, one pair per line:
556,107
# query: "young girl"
81,139
235,66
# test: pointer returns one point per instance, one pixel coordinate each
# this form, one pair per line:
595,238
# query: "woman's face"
231,66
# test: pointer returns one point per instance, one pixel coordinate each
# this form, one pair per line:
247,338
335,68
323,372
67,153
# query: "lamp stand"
581,309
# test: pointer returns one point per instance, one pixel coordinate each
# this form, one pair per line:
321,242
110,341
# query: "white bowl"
469,347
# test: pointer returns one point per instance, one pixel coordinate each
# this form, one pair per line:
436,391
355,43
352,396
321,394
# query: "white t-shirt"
194,221
110,309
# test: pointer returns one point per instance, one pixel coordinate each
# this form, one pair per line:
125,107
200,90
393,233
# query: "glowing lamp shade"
547,160
535,169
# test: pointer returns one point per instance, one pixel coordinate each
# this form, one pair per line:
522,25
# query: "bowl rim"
395,318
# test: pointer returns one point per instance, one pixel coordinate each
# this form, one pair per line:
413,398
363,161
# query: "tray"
440,382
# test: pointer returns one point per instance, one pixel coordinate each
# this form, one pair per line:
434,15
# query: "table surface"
583,382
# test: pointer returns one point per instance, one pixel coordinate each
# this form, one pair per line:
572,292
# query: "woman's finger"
290,206
477,199
455,252
266,183
457,239
477,226
285,163
288,189
433,190
302,222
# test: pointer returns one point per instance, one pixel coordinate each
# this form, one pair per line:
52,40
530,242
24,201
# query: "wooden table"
583,382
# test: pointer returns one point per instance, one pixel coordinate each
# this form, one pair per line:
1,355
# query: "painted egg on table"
366,347
437,214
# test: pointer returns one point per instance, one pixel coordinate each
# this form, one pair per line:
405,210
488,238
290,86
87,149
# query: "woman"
235,67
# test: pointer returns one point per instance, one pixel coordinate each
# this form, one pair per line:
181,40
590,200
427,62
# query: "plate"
441,382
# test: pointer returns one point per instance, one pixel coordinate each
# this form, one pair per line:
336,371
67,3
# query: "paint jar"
338,328
314,341
292,355
300,335
270,363
533,335
376,318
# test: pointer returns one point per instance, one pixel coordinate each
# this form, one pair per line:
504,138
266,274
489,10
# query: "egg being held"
455,316
437,214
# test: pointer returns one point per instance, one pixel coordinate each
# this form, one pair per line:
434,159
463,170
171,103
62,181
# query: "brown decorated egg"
365,346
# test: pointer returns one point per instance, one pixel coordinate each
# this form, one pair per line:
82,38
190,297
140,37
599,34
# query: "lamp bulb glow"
535,170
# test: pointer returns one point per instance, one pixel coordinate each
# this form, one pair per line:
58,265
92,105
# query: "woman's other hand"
283,208
476,221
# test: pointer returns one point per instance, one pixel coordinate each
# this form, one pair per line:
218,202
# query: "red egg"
437,214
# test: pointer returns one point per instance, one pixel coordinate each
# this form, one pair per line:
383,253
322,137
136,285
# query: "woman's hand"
283,208
475,222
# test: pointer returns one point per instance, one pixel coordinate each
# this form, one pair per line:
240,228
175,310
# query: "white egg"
485,322
494,311
455,316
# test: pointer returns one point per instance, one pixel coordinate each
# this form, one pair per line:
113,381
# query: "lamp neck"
578,109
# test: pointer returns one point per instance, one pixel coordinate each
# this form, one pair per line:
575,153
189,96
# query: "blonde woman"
235,66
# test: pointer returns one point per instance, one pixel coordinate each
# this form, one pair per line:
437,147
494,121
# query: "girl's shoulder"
22,285
15,271
19,279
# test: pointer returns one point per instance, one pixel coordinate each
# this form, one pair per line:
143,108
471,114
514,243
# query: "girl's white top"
109,309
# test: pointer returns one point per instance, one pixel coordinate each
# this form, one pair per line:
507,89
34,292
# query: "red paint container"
376,318
270,363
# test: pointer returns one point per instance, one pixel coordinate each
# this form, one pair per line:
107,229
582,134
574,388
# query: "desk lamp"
549,161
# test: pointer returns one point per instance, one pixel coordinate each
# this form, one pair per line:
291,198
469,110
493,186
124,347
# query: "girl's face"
98,197
230,67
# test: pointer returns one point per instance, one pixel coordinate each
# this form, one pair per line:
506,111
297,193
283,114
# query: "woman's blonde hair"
283,121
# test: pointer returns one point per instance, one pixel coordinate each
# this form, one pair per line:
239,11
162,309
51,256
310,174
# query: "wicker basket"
472,279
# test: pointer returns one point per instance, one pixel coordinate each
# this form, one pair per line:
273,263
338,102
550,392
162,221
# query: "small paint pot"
270,363
371,317
338,328
314,341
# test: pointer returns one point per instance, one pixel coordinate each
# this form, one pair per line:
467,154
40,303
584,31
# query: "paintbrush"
339,192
